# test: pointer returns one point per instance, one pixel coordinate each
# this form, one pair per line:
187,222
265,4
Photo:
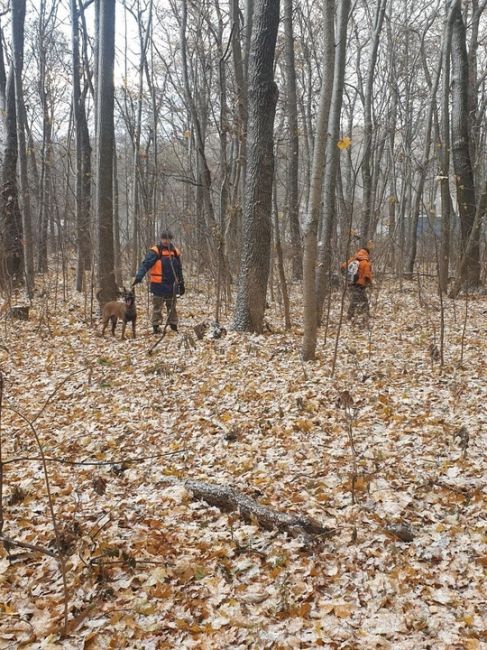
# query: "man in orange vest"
163,263
359,276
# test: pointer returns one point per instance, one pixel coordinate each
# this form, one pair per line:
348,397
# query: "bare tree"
316,185
465,184
444,167
254,271
293,145
104,154
368,126
18,21
332,152
12,272
83,153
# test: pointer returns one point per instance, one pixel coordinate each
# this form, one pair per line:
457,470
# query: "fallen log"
228,499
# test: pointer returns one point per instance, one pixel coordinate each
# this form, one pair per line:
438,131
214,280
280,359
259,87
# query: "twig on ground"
118,461
8,541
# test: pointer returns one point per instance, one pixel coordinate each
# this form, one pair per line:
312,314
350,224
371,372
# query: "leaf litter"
149,566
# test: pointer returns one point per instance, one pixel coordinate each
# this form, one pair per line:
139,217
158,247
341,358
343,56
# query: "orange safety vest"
157,270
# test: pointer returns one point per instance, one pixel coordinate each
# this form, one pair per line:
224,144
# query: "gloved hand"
181,289
136,281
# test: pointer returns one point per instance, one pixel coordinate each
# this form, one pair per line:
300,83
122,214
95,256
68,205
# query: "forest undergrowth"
389,454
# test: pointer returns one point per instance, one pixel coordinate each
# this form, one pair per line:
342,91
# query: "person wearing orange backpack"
358,271
163,263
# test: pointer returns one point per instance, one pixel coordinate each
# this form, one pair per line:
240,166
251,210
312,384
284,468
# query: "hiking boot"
173,327
156,329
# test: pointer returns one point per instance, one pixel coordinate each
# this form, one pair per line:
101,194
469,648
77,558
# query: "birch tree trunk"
444,168
262,99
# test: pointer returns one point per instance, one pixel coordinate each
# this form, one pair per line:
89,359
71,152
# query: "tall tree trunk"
293,144
332,153
117,253
11,219
18,21
368,98
423,168
444,170
137,170
44,214
280,263
254,271
104,155
222,275
461,150
316,185
205,177
240,72
83,158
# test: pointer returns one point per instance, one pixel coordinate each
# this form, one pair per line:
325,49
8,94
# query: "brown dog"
125,311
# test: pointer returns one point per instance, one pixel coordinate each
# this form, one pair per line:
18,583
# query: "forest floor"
148,566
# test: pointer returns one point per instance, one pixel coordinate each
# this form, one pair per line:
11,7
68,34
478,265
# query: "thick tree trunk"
469,228
254,270
11,219
105,147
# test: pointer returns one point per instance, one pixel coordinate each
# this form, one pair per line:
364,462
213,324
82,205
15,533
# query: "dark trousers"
359,303
158,303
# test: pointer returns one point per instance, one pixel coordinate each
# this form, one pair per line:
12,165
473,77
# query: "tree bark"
11,219
105,146
254,271
205,177
332,153
444,167
83,158
469,228
293,145
18,22
423,168
280,264
229,499
316,184
367,147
